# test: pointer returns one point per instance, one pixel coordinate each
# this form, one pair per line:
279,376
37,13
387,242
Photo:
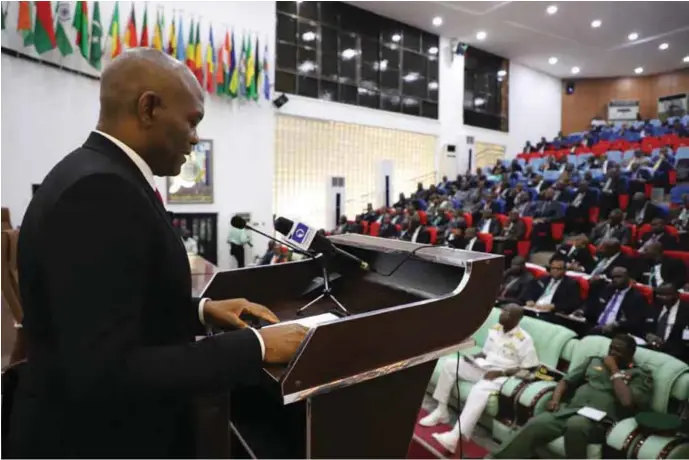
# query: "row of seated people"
602,304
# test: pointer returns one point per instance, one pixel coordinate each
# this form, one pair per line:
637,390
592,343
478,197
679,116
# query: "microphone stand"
327,291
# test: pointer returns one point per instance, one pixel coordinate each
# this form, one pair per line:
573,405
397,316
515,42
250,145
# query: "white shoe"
448,440
436,417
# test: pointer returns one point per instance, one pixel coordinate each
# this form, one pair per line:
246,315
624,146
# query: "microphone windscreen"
283,225
238,222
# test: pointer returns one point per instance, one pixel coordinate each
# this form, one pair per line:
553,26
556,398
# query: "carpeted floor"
424,445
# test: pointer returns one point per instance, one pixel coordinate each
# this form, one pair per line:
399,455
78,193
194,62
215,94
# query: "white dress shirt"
671,318
550,290
148,175
415,235
486,226
470,246
611,315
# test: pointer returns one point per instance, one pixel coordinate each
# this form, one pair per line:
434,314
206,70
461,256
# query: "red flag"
144,29
130,39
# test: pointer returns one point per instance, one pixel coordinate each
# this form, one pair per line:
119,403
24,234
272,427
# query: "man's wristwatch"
618,375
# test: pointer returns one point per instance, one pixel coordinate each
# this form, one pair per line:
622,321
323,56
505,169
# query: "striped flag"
266,74
158,33
144,28
172,39
210,62
221,77
198,55
233,71
130,39
114,32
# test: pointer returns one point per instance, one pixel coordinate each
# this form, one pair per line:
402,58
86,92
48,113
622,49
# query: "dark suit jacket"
461,243
520,291
671,270
587,202
422,238
583,256
675,345
667,241
548,210
631,315
388,231
622,233
564,196
109,319
494,228
516,232
621,261
567,297
651,212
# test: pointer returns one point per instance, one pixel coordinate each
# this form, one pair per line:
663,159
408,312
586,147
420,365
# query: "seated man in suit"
517,283
656,269
556,293
681,220
618,307
611,188
508,350
370,215
416,232
609,255
505,242
611,384
658,234
641,210
661,169
467,240
544,212
521,203
387,228
560,192
638,178
488,223
577,215
576,253
669,330
614,227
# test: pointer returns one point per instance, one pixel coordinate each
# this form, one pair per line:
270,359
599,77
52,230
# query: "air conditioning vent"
470,140
338,181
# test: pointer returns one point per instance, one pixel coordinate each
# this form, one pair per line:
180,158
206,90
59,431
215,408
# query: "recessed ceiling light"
396,37
481,35
308,36
502,72
552,9
575,70
433,85
596,23
639,70
663,46
437,21
686,59
633,36
348,53
433,50
552,60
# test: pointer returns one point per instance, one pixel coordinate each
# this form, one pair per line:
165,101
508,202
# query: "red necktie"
160,197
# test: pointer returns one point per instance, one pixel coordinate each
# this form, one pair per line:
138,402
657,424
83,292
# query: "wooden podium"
355,387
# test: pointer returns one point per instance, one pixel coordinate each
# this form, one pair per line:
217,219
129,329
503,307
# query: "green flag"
62,16
81,24
4,13
96,53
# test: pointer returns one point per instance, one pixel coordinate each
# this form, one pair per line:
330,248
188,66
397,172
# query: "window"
338,52
486,89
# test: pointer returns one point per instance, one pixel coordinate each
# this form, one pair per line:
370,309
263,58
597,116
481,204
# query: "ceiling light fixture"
552,9
433,85
639,70
308,36
663,46
481,35
633,36
686,59
396,37
596,23
575,70
552,60
433,50
348,53
437,21
502,72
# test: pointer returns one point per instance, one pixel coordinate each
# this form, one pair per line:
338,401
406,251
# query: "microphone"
308,239
239,223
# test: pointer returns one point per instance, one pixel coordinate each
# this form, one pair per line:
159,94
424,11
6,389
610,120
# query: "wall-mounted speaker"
569,89
451,148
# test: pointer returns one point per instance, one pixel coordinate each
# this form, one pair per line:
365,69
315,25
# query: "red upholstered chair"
487,238
433,231
469,219
537,271
524,246
364,226
592,249
634,231
398,227
623,198
502,219
423,217
629,251
646,291
594,214
375,229
681,255
557,230
645,228
583,286
684,296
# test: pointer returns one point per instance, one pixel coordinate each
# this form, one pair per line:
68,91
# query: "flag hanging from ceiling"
158,32
114,32
25,22
210,61
96,51
130,39
144,28
61,18
81,24
44,30
266,74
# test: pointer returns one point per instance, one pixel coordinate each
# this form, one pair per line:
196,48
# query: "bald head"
152,103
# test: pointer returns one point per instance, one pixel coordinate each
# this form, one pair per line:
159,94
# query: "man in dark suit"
614,227
611,188
658,234
517,284
467,240
556,293
638,178
580,204
507,240
618,308
416,232
488,223
544,212
656,269
112,361
609,255
576,253
641,210
387,228
669,330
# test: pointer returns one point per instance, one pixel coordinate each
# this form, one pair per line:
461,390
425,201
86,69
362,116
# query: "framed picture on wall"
194,184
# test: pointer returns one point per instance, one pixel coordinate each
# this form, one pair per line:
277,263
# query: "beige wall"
309,151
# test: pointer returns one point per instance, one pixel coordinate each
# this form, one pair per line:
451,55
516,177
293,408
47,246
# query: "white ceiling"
523,31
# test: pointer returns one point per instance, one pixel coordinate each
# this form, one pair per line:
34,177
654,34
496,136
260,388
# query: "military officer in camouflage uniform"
611,384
